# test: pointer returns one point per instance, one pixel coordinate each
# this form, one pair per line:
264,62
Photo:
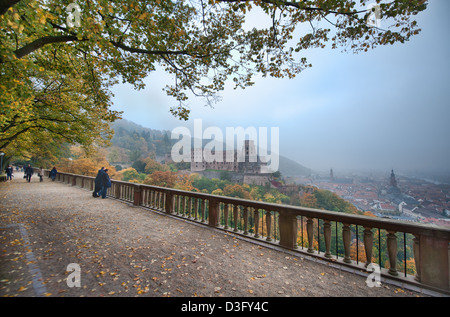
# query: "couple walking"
102,183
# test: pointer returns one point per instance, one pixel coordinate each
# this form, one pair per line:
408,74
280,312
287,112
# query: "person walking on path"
52,174
98,183
106,183
41,174
9,173
28,172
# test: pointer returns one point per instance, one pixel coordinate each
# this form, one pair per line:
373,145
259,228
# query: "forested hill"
132,141
291,168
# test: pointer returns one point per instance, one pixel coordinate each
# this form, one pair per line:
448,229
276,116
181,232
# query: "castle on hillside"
245,162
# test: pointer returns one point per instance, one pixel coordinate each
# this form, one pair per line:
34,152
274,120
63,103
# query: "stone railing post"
169,202
137,195
213,214
288,230
432,261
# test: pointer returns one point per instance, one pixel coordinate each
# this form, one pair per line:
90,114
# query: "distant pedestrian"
41,173
98,183
106,183
28,172
9,173
52,174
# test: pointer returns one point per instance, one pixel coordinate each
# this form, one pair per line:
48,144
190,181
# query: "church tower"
393,180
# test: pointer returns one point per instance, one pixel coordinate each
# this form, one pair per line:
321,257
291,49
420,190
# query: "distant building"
393,181
244,161
335,180
256,179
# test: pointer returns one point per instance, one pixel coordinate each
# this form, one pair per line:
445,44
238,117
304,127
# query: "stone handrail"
302,229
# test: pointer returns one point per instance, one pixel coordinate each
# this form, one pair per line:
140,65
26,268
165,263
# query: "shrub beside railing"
351,240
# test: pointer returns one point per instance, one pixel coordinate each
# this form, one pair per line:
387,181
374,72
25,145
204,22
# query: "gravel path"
129,251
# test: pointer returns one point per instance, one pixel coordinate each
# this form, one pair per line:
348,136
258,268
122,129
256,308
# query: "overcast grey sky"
387,108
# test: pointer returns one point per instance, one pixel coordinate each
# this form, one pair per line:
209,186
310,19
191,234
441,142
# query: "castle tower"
250,151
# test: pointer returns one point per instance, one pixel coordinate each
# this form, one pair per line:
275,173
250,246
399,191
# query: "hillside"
291,168
132,141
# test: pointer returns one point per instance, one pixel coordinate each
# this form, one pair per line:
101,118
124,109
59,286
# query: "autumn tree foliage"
59,62
152,166
129,175
323,199
162,179
236,190
308,200
85,163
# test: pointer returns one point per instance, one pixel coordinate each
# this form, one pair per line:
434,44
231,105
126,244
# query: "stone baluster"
225,215
416,250
269,225
188,206
368,244
235,217
116,191
256,218
327,235
144,197
346,236
183,206
195,208
392,252
310,234
245,219
205,201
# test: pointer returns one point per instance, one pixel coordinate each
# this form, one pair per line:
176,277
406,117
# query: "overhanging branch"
37,44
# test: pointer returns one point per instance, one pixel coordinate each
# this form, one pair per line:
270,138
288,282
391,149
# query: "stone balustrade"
332,236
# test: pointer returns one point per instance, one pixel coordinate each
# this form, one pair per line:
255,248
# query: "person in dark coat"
52,174
9,173
98,183
106,183
28,172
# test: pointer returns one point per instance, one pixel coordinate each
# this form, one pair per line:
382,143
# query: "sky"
388,108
